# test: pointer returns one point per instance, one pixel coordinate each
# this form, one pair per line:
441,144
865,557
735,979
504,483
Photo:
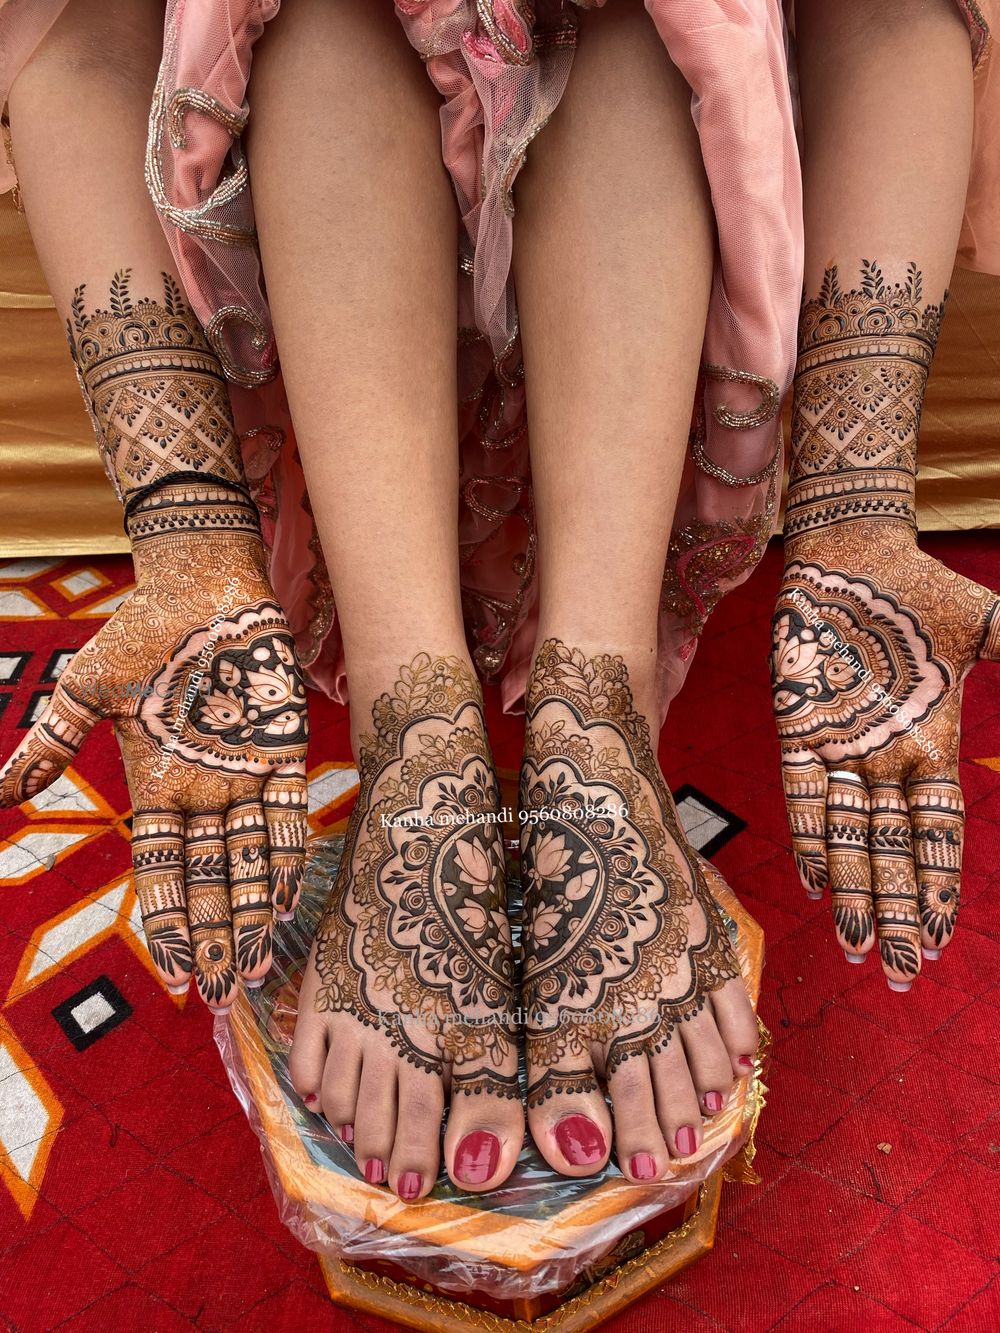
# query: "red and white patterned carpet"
132,1191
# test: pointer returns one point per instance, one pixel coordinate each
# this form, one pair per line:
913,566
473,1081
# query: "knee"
118,43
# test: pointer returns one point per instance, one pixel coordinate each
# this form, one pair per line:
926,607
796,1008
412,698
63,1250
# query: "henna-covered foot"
407,1002
629,976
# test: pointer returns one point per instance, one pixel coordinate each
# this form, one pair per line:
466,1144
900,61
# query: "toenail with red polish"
932,955
901,987
347,1133
643,1166
375,1171
310,1099
410,1185
580,1140
745,1061
477,1157
713,1101
855,957
685,1140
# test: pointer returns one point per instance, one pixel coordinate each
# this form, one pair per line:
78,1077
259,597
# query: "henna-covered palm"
197,668
409,985
872,637
629,972
197,671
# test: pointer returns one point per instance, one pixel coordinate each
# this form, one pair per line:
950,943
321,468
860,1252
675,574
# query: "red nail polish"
476,1157
643,1166
713,1101
745,1061
580,1140
347,1133
310,1099
410,1185
375,1171
685,1140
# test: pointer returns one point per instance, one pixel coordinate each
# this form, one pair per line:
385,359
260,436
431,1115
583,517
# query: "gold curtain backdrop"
56,500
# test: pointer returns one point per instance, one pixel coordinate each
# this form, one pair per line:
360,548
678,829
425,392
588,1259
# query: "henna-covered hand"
196,668
872,637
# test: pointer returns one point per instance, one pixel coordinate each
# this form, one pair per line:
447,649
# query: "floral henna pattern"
871,638
196,669
622,937
415,940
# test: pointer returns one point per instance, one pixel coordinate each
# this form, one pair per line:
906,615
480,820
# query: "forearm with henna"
197,668
872,637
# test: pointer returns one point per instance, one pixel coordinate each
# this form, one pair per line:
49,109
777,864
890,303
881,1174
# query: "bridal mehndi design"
415,940
623,940
872,638
196,668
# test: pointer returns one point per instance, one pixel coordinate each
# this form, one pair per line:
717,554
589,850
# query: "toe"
416,1153
708,1060
568,1118
485,1129
677,1108
375,1114
309,1043
737,1025
639,1146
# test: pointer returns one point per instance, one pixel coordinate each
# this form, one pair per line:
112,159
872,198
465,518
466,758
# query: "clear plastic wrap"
536,1236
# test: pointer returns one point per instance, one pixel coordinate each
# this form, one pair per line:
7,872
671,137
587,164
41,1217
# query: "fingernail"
410,1185
347,1133
814,894
285,916
932,955
180,990
713,1101
685,1141
220,1013
855,957
580,1140
643,1166
901,986
375,1171
476,1157
745,1061
255,985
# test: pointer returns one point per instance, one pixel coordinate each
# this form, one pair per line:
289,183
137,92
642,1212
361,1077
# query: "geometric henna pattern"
156,392
415,939
622,937
871,638
197,667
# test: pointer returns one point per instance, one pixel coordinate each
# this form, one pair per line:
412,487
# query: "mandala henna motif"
415,940
871,637
622,937
196,669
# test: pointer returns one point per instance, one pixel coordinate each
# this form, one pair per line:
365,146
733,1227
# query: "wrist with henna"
196,669
872,637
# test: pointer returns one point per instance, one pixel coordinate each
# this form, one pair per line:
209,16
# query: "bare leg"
871,762
218,826
358,228
613,259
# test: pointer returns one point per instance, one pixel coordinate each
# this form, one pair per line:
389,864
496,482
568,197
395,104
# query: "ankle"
639,658
431,682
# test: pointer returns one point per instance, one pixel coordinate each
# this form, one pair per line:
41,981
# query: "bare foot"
629,975
406,1002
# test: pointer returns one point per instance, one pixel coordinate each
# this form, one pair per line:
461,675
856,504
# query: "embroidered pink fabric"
500,76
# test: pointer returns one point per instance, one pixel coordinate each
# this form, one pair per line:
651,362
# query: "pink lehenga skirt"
501,67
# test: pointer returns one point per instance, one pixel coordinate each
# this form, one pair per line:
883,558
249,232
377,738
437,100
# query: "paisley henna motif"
415,940
871,638
622,937
196,669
